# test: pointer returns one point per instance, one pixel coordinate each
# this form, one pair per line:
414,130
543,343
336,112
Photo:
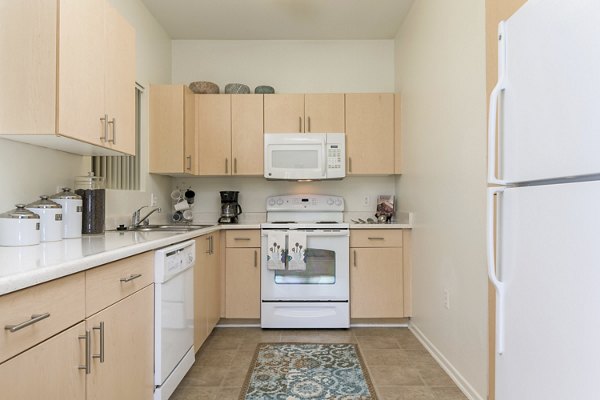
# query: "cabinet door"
190,162
128,368
120,81
324,113
213,133
242,283
81,70
370,133
213,285
28,76
200,296
247,134
376,283
49,370
167,126
284,113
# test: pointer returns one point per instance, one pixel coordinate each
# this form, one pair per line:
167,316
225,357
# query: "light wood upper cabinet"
298,113
370,134
324,113
247,134
172,130
72,71
229,134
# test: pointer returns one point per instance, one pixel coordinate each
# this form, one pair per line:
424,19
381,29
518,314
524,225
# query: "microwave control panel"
334,157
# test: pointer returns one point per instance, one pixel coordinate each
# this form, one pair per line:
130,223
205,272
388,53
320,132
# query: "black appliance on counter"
230,208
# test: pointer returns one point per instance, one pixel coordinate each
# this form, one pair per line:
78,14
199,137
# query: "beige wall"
440,67
290,66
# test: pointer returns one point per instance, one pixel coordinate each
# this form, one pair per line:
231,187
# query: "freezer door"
549,109
548,250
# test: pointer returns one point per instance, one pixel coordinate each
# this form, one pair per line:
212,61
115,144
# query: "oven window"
320,270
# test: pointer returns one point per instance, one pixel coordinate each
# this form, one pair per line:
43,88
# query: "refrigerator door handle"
491,264
493,104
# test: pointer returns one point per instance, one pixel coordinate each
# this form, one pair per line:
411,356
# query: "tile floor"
399,366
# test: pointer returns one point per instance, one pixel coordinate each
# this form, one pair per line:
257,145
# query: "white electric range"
316,292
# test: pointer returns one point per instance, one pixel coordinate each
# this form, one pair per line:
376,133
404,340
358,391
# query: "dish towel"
297,251
276,250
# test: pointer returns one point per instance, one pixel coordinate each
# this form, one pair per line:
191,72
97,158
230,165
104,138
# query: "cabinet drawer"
376,238
242,238
109,283
63,299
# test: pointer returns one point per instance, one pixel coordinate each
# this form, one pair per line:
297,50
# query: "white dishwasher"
173,316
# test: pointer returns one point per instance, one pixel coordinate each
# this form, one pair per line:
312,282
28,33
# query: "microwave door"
288,161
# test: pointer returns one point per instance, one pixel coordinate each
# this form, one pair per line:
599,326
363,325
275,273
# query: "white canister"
51,224
72,207
19,227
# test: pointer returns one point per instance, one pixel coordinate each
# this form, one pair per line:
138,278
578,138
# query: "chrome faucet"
136,221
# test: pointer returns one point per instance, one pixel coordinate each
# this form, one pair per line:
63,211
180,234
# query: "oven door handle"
319,233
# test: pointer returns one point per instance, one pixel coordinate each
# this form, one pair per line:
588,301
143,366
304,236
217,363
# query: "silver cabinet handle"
130,278
226,165
235,165
113,122
88,353
349,164
309,124
376,238
240,238
101,329
354,261
212,244
104,121
189,162
300,124
34,318
255,258
208,250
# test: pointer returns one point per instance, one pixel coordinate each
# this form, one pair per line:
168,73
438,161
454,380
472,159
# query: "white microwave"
305,156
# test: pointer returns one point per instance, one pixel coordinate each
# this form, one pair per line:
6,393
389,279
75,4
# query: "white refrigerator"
544,202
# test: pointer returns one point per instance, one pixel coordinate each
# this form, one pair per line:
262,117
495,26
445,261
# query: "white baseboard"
446,365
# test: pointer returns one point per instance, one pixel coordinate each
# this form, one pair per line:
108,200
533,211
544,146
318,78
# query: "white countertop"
26,266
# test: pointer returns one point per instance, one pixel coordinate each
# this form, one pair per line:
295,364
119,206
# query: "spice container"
19,227
72,205
93,195
51,224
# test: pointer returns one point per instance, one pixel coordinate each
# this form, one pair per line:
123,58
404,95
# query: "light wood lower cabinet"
242,274
124,335
207,287
377,274
49,370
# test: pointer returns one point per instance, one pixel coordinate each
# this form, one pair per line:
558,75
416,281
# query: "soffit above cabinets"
280,19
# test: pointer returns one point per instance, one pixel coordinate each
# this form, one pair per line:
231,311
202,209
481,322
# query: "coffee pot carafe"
230,208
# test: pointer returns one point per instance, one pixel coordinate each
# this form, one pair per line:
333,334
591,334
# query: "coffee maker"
230,209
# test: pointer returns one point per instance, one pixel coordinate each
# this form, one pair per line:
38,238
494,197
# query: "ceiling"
280,19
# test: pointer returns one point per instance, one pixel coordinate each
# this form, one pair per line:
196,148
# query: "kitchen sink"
167,228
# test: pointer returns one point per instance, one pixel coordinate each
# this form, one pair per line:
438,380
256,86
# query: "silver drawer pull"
88,352
241,238
131,277
376,238
34,318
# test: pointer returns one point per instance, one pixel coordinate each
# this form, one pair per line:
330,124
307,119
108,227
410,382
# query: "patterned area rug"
298,371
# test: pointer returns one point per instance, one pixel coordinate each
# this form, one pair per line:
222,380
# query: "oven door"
326,277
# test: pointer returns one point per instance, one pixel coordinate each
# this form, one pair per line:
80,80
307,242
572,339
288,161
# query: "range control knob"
271,202
329,201
338,202
279,202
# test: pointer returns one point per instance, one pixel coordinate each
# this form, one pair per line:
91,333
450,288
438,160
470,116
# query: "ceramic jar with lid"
72,207
19,227
51,224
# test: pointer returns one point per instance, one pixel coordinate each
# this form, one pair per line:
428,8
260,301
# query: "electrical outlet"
153,200
447,299
366,201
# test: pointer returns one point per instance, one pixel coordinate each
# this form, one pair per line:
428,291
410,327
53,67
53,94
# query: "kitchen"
437,61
